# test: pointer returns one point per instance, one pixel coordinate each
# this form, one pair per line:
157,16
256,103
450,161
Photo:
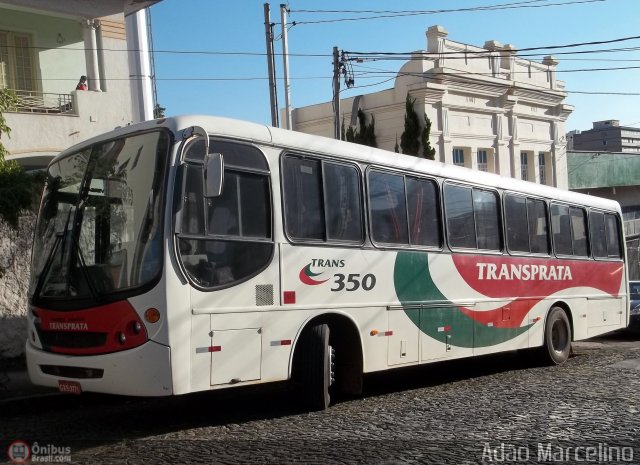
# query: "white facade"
45,47
497,112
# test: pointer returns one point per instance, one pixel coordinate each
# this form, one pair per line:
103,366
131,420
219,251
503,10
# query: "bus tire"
557,337
317,367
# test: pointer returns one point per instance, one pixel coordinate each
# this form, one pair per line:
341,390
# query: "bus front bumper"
142,371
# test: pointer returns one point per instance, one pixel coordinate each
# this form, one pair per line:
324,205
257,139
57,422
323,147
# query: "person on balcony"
82,83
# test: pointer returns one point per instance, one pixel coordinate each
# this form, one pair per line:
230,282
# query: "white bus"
196,253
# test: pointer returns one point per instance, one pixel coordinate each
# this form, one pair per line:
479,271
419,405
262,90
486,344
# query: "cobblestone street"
463,412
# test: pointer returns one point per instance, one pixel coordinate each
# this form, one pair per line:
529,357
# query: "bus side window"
516,222
561,226
304,212
424,214
388,208
459,213
487,219
343,202
598,235
613,236
227,239
538,226
526,224
579,231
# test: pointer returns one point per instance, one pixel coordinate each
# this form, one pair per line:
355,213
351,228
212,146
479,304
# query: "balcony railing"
41,102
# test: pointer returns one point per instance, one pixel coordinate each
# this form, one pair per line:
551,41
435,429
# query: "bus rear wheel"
557,337
317,366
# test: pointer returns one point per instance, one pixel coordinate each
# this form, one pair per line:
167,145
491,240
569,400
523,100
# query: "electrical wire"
431,12
405,11
407,56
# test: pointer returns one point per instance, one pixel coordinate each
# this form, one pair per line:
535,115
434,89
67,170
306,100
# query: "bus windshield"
99,227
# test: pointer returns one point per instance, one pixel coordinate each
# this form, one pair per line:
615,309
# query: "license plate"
69,387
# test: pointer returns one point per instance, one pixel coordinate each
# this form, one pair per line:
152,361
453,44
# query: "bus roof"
267,135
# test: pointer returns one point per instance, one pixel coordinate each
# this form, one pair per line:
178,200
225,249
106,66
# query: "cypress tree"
427,151
364,134
410,138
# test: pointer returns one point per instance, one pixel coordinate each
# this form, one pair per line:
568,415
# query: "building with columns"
490,109
46,45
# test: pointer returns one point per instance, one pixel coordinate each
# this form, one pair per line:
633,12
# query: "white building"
46,45
490,109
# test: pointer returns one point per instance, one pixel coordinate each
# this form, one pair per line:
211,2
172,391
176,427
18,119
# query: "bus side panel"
352,281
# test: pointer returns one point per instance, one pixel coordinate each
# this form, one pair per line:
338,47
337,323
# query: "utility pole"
273,92
285,59
337,133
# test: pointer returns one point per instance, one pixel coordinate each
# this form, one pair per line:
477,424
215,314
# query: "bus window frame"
180,190
622,255
585,209
322,159
501,223
519,253
406,174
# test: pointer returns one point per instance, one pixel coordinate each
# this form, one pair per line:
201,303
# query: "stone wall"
15,259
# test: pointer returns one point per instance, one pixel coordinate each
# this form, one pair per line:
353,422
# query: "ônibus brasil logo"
307,276
19,452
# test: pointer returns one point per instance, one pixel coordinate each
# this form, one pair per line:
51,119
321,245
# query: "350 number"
353,282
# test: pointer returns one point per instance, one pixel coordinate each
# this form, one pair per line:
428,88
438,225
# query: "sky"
228,77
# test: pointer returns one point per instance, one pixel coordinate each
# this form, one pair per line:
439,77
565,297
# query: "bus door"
226,248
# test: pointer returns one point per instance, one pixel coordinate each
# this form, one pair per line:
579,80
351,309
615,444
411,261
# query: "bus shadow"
93,420
448,371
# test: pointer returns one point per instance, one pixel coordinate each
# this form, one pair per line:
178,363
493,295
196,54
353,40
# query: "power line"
462,75
506,6
487,52
471,55
407,11
413,55
375,73
491,74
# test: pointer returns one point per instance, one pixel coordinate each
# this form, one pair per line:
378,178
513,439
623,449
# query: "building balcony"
44,124
42,102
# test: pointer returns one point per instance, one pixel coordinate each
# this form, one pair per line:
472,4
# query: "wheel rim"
559,336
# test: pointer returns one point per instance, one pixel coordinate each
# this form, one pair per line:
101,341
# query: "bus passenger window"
516,222
538,226
598,235
304,212
485,207
579,231
322,200
424,214
388,208
343,202
229,239
613,236
526,224
459,213
561,226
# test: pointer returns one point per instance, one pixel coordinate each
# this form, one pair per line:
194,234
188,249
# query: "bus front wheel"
557,337
317,367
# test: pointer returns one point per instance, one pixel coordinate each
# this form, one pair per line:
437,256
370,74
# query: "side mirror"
213,175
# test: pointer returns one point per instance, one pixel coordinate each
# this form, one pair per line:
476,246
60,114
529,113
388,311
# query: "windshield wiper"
47,265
